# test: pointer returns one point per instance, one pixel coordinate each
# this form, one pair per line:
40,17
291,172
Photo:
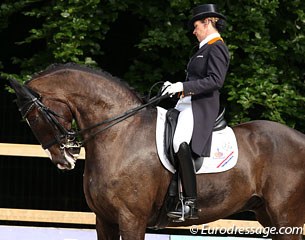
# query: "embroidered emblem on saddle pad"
224,150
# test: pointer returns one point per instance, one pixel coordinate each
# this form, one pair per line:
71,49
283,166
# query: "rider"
199,97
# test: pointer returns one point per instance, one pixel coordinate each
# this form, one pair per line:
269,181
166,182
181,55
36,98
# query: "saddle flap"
170,127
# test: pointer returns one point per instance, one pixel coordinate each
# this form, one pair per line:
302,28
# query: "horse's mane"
57,67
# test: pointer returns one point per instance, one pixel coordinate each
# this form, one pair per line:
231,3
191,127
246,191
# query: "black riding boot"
188,179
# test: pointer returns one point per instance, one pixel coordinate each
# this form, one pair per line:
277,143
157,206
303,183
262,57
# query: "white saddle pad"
224,150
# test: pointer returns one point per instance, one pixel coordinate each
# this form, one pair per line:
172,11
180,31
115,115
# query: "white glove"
165,85
172,88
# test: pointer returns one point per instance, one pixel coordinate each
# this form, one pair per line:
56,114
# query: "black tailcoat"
206,73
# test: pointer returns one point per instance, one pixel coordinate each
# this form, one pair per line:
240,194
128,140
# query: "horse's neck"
98,102
119,147
91,97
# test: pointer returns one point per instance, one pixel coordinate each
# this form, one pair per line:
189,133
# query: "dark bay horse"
124,181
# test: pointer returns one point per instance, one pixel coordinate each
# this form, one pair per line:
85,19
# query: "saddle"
170,127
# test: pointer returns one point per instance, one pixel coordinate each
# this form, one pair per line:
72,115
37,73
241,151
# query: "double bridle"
67,139
63,137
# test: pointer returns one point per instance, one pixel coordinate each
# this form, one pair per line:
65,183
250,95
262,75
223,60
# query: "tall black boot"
188,179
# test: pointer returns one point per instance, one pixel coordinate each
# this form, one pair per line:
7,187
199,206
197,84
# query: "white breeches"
184,129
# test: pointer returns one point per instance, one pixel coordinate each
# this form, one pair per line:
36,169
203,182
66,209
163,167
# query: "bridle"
67,139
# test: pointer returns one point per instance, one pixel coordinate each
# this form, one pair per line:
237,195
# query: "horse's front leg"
106,231
132,227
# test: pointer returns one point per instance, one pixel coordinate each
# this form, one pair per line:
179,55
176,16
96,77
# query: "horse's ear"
24,94
18,88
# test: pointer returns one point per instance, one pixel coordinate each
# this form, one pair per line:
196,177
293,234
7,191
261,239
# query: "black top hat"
204,11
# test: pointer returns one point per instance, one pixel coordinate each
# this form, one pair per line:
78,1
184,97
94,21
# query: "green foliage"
164,47
67,29
71,31
265,39
8,8
265,78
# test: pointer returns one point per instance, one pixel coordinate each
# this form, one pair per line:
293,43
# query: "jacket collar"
209,38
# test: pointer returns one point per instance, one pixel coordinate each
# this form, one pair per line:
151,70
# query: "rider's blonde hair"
217,23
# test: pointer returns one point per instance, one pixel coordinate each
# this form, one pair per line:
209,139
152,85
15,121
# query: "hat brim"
201,16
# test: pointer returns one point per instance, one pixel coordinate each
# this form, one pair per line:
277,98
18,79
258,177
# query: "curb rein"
67,138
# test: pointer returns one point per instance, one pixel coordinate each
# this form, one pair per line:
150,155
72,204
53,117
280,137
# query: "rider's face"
201,29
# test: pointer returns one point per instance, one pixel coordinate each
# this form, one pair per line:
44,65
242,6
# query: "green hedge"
265,39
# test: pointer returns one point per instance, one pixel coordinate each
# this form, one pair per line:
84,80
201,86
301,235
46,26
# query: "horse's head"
51,122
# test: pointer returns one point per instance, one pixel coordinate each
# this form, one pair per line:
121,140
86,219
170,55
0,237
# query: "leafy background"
147,41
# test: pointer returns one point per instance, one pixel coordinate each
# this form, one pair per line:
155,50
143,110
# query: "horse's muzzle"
67,162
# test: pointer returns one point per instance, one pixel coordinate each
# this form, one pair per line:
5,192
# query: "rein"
115,120
67,138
